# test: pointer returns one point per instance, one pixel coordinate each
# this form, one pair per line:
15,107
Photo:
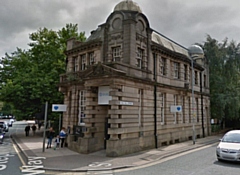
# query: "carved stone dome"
128,5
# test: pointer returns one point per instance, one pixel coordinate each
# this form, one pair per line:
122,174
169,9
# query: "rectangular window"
175,113
163,101
183,110
139,57
185,72
176,70
189,109
163,66
76,64
83,62
82,107
116,53
204,81
91,58
197,108
140,93
196,78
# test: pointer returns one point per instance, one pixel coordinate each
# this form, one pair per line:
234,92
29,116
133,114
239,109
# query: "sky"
183,21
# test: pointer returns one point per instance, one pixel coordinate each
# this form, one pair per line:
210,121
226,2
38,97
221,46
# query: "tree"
29,78
224,78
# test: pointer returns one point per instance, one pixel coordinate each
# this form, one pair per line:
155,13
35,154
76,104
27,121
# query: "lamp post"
195,52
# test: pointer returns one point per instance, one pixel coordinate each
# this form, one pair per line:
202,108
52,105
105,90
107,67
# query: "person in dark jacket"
34,129
27,129
50,136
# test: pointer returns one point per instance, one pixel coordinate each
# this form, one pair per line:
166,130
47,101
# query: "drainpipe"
203,132
155,100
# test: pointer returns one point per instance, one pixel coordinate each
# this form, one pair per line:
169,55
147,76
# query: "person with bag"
62,136
50,136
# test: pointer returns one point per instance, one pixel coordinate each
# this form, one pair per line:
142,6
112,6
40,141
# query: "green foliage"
224,78
30,78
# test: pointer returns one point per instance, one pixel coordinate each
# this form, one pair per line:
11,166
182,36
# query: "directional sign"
176,109
59,108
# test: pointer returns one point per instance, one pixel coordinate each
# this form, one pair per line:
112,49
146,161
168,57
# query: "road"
9,160
199,162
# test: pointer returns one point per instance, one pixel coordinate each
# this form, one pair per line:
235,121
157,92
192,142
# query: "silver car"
229,146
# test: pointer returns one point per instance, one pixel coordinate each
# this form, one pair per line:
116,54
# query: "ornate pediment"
103,70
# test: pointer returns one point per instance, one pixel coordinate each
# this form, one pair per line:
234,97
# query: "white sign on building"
59,108
103,95
176,109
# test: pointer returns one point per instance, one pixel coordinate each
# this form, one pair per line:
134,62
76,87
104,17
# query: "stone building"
128,88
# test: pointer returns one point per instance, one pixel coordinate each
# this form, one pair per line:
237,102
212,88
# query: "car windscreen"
231,138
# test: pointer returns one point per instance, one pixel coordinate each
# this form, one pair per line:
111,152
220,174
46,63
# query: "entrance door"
106,135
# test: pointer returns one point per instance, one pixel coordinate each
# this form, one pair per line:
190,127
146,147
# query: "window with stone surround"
116,53
83,62
175,113
196,78
163,101
163,66
176,69
189,110
185,72
197,109
76,64
140,101
91,58
204,81
82,107
140,53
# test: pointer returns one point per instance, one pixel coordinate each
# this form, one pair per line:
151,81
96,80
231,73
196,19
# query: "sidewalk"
63,159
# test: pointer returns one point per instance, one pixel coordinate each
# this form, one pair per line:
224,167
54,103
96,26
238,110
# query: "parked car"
229,146
2,133
4,125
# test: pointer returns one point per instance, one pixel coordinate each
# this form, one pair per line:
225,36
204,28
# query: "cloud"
186,22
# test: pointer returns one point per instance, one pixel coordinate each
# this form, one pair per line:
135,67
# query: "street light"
195,52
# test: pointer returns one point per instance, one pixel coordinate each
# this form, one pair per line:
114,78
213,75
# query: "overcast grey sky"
184,21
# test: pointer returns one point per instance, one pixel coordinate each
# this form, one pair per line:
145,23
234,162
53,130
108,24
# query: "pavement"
65,160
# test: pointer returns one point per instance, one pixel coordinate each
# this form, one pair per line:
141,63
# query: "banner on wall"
103,95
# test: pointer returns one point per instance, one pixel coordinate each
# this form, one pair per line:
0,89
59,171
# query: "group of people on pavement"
59,140
28,128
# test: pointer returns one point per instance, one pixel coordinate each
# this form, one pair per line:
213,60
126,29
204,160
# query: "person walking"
50,136
39,125
34,129
62,136
27,129
57,142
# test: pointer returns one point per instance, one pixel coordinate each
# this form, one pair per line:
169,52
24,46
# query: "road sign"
59,108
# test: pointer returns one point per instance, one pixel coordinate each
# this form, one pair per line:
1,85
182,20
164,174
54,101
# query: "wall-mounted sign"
103,95
59,108
126,103
176,109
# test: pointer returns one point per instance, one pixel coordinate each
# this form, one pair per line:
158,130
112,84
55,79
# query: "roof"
128,5
169,44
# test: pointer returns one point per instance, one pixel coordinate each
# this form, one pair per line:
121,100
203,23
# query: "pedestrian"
34,129
57,142
50,136
39,125
27,129
62,136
